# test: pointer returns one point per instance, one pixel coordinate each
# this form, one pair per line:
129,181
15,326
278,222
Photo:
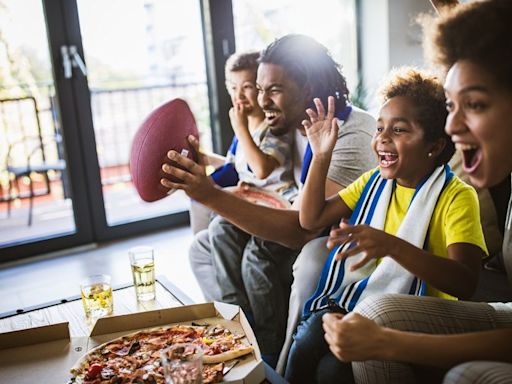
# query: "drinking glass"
182,364
96,292
142,261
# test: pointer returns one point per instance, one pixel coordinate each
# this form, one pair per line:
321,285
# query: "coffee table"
70,310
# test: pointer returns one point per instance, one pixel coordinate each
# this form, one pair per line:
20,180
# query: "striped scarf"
346,288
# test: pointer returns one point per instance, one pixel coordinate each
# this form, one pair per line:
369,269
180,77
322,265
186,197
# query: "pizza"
261,197
135,358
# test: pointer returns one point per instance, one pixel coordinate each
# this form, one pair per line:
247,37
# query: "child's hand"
373,243
238,118
337,236
321,129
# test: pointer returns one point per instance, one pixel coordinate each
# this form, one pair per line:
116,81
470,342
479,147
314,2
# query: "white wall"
389,38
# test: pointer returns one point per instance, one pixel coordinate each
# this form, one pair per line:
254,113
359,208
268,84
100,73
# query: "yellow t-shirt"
456,217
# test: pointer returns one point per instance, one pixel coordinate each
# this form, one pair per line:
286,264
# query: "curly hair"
242,61
480,32
310,65
427,94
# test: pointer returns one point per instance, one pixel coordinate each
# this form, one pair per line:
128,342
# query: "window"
333,24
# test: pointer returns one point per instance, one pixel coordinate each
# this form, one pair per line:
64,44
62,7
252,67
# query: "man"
293,70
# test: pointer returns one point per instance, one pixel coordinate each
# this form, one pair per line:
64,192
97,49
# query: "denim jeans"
310,360
256,275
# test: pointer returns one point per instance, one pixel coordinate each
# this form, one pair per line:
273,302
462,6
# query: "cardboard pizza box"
45,354
39,355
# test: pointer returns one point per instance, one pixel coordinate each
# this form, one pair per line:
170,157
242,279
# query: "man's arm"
356,338
278,225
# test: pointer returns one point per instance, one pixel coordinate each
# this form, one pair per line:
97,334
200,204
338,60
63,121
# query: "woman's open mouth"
387,159
471,156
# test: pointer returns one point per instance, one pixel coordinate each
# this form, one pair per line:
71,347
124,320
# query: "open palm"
321,128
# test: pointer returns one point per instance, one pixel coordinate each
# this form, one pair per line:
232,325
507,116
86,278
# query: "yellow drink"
97,299
143,271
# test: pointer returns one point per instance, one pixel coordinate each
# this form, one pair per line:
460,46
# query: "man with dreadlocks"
292,71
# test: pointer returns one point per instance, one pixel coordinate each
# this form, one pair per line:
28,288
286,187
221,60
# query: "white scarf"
339,285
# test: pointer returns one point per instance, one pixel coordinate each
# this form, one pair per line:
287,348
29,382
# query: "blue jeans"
256,275
310,360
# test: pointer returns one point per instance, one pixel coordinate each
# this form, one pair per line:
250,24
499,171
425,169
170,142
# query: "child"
256,156
260,157
414,227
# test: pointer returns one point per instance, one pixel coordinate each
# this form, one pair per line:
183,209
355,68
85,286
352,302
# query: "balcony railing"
117,114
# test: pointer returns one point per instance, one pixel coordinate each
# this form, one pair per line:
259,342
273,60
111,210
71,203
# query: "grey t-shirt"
352,154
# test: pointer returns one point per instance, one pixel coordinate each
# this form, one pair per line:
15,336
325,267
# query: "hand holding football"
166,128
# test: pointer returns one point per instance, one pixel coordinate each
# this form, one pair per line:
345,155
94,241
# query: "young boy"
261,157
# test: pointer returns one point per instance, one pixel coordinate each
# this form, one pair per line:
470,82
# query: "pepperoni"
261,198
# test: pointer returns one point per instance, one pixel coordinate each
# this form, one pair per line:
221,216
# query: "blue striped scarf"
346,288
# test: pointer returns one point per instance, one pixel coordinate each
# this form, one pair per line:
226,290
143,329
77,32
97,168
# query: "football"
166,128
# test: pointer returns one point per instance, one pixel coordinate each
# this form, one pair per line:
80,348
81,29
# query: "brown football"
166,128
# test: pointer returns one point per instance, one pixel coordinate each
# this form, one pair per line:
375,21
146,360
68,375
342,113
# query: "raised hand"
194,180
373,243
321,128
238,118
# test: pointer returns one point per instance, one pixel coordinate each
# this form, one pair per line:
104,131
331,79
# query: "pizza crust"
83,362
228,355
260,196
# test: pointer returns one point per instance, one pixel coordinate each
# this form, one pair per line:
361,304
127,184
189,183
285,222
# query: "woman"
435,332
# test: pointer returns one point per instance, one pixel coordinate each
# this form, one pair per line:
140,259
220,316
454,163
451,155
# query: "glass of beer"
97,298
182,364
142,261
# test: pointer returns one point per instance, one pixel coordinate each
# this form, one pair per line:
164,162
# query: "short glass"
182,364
96,292
142,261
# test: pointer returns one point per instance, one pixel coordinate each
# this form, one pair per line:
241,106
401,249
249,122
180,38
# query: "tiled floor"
52,278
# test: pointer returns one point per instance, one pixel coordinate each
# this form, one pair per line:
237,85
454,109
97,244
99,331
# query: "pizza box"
45,354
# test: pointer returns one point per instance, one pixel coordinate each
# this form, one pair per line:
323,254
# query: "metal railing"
117,114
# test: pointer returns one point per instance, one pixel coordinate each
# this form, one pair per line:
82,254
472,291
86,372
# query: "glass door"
139,55
37,195
77,78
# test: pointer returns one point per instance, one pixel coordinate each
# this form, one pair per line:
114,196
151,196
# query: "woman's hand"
322,129
194,180
373,243
353,337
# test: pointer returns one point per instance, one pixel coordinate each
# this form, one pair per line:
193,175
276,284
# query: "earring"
430,154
